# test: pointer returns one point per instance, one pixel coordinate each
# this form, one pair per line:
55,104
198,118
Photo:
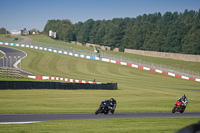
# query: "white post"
6,61
20,61
10,60
3,61
15,59
20,64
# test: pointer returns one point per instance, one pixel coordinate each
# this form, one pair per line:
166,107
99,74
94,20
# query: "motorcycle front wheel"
173,110
112,111
98,111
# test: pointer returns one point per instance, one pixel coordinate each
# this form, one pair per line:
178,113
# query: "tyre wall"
55,85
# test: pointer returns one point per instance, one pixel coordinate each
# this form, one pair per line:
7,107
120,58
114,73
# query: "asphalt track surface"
80,116
11,58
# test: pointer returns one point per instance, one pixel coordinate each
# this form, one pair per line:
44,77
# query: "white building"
52,34
16,32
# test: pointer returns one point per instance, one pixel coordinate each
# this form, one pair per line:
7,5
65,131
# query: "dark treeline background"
3,30
170,32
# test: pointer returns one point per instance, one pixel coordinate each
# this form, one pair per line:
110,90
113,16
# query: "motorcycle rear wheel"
182,111
112,111
106,112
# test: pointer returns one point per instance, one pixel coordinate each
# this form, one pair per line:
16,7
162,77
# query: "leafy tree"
170,32
2,30
85,31
101,33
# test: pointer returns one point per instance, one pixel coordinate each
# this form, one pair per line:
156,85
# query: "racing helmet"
183,96
112,99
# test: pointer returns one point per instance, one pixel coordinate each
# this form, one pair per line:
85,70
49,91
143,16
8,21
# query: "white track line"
25,122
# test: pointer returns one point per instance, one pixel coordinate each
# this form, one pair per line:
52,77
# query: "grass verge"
10,39
1,54
139,125
178,64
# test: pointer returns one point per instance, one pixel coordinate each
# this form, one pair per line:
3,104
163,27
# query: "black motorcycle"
105,108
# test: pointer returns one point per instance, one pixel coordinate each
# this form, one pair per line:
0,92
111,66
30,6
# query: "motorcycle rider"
107,106
183,99
112,105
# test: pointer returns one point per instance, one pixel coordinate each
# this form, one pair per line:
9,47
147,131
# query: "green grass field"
141,125
1,54
178,64
10,39
138,91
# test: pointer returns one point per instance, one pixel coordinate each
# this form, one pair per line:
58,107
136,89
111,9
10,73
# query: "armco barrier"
55,85
102,59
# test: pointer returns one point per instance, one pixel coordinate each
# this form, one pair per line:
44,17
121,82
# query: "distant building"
34,32
24,32
52,34
16,32
20,32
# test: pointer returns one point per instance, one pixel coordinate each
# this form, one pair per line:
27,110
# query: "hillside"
135,86
187,67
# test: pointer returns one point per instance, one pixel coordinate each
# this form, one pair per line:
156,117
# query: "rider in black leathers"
112,105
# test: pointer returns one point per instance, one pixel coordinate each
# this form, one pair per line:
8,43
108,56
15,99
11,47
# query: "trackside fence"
9,72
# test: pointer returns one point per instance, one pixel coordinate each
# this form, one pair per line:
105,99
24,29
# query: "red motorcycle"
179,107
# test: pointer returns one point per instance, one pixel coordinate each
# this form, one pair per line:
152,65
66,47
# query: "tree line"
3,30
170,32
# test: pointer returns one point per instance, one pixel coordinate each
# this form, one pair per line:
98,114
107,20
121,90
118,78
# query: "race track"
77,116
11,58
8,118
